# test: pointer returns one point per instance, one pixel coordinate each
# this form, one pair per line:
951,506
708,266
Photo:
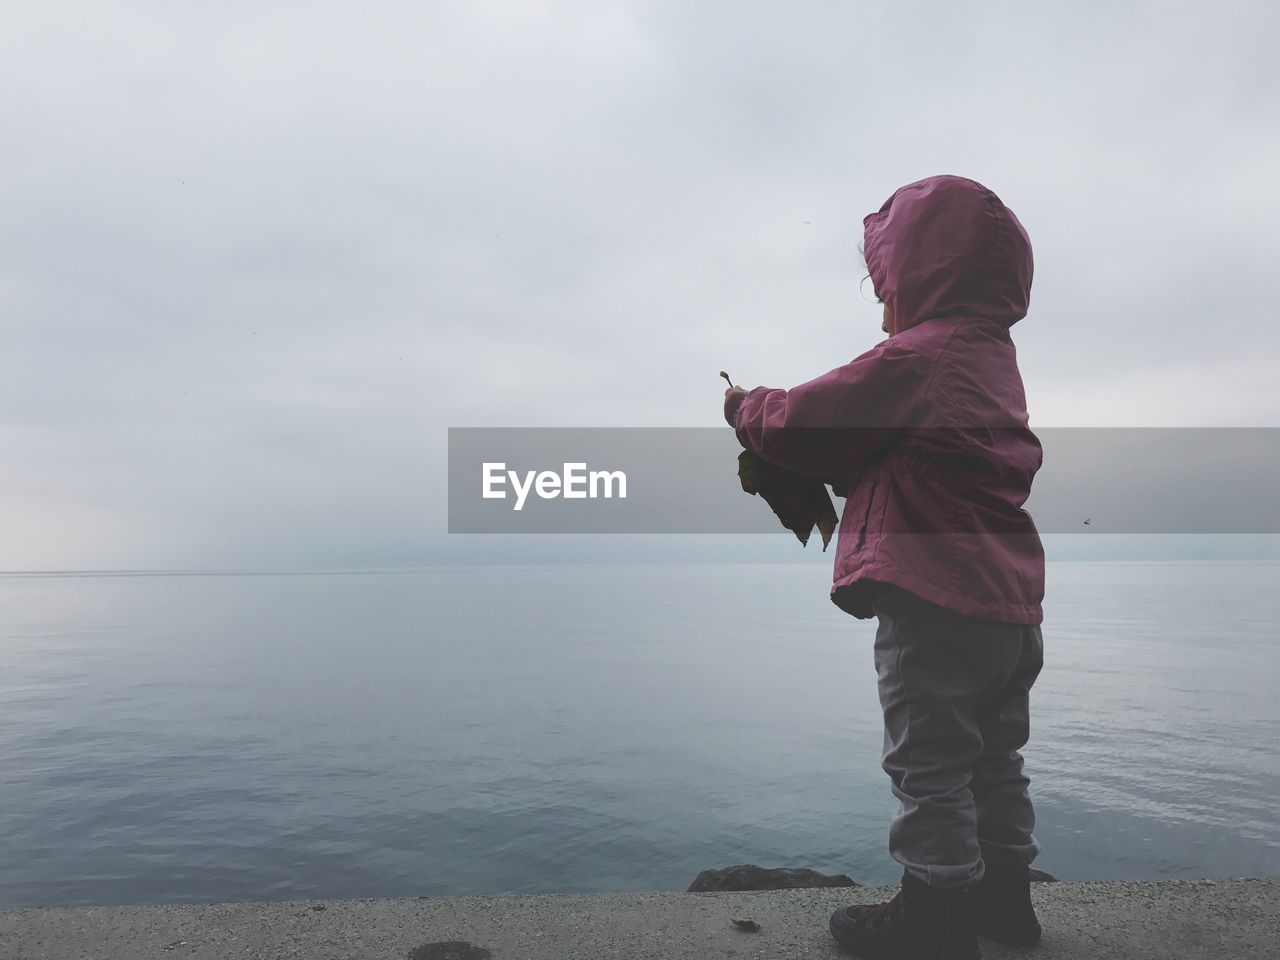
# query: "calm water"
173,739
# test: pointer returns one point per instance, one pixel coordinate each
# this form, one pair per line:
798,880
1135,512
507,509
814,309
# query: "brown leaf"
801,503
746,923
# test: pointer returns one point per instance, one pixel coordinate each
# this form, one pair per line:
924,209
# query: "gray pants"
955,697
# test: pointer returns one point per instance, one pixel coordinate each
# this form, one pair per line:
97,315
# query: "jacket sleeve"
831,427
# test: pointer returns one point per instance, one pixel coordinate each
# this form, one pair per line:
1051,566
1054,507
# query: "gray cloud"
257,257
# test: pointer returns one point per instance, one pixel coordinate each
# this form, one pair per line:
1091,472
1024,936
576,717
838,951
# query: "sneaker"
1003,905
919,923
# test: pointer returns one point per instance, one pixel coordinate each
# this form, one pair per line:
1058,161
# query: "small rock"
747,876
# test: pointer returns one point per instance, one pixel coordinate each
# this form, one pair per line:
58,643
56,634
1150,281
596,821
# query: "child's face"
887,324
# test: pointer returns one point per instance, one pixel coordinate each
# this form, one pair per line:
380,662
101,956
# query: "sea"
201,738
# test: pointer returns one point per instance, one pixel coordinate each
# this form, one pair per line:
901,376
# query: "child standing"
926,436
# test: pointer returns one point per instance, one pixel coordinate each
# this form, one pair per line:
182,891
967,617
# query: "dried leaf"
801,503
746,923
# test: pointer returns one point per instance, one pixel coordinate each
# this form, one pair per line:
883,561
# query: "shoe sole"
1027,938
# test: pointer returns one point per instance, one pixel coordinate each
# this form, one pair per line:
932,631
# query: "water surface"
172,739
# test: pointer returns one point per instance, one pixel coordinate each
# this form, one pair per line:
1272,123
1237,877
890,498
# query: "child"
926,437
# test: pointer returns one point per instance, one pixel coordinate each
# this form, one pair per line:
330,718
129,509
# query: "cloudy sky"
256,258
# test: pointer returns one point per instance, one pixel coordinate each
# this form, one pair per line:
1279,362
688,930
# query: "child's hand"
733,398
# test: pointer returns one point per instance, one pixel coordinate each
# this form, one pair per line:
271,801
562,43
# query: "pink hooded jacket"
926,434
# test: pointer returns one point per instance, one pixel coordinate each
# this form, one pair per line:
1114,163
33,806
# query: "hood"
947,247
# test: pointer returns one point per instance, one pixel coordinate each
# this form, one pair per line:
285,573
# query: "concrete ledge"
1211,919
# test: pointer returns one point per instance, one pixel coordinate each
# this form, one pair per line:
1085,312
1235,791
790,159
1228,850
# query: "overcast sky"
255,258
